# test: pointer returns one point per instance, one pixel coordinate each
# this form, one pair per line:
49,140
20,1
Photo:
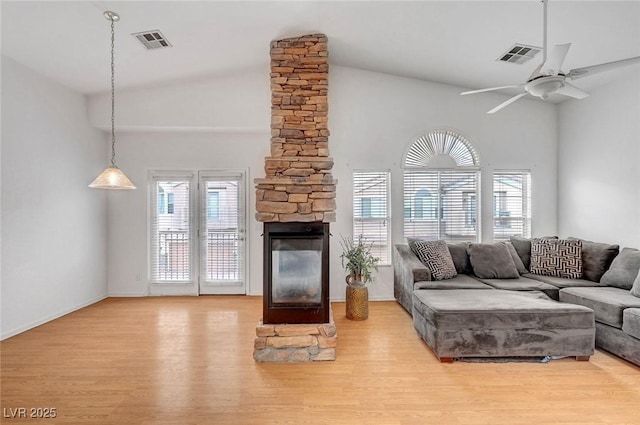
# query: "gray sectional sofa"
528,314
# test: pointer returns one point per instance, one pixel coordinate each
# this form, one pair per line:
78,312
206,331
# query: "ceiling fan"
549,78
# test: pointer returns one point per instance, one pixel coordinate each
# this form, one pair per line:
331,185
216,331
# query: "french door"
197,228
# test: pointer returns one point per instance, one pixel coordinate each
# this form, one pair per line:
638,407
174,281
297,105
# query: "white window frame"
439,152
238,286
525,200
385,258
177,286
467,233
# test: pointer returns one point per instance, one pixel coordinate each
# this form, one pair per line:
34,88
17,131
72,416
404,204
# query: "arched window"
441,148
441,187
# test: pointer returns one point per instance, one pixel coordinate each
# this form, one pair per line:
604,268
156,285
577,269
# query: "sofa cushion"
556,257
608,303
517,261
436,256
635,289
492,261
623,269
461,281
469,309
631,322
523,248
524,284
562,282
596,258
460,257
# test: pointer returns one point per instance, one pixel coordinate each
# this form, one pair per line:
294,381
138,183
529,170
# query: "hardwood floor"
189,360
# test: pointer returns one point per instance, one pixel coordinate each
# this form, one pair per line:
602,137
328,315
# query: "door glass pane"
171,237
223,230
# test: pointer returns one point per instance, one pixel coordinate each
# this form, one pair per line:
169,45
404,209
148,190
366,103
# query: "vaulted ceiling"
452,42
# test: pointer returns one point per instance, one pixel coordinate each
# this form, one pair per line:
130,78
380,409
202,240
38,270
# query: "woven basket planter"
357,302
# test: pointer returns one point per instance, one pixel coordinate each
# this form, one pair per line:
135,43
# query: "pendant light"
112,177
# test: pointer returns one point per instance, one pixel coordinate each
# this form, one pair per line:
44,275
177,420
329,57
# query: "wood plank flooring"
188,360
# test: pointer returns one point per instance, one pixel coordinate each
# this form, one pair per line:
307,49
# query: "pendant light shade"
112,177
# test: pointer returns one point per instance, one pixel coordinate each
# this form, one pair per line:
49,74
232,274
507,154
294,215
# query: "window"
172,233
470,207
161,203
170,203
453,212
425,205
511,204
371,215
213,205
441,187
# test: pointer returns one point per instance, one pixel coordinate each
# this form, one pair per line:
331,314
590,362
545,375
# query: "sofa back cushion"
596,258
517,261
623,270
460,257
435,256
492,261
523,248
635,289
556,257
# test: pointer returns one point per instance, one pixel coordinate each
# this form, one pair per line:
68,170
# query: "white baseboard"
127,294
36,323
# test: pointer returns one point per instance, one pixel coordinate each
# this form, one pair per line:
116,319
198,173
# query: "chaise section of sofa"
470,323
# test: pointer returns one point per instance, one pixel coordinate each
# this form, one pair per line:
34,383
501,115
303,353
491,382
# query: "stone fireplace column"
298,188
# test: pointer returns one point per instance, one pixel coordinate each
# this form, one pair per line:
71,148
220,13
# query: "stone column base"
286,343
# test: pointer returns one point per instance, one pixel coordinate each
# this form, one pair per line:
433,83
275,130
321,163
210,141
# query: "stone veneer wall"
299,186
296,343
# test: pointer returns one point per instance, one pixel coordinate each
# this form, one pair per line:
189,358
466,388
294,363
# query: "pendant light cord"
113,97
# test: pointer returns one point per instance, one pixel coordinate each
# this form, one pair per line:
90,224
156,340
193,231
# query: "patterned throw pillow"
556,257
436,257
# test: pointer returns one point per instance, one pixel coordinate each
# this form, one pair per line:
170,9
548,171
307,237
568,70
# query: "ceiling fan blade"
490,89
572,91
507,103
576,73
555,60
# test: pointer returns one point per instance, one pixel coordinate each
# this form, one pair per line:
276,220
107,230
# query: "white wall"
373,118
54,236
599,164
138,153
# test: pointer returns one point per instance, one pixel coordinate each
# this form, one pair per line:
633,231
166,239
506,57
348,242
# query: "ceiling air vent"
152,39
519,54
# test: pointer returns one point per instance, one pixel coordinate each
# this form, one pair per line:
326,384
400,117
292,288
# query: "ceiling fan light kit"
544,86
112,177
548,78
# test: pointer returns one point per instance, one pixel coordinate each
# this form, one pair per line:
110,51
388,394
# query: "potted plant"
359,262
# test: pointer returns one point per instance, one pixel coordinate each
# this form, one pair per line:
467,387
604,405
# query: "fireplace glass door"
296,272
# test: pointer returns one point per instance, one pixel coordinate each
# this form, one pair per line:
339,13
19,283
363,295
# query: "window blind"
371,212
441,205
171,230
511,204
